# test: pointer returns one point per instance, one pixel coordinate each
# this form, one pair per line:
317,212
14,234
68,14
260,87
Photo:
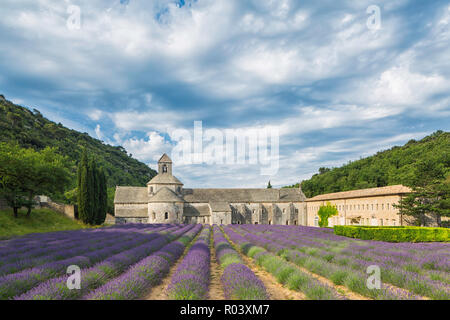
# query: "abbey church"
165,200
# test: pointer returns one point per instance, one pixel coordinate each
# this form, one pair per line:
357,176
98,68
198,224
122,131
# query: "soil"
215,286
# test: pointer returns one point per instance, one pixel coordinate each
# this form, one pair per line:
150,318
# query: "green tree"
26,173
429,199
269,186
84,205
92,191
326,212
103,197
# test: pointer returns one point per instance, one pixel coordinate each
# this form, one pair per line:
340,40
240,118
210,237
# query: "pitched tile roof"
165,195
372,192
165,178
131,195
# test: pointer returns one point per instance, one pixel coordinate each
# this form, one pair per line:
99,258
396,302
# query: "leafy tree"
269,186
326,212
26,173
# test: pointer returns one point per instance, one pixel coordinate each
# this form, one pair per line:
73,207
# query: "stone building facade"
165,200
370,207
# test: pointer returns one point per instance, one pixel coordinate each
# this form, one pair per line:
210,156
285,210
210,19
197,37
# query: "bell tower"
165,165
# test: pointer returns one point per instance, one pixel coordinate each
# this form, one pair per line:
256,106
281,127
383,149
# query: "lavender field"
239,262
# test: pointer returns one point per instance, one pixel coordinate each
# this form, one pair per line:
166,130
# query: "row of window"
254,210
350,207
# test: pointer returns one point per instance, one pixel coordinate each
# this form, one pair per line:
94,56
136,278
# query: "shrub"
394,234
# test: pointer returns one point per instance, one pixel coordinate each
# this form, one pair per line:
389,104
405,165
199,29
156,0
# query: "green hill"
31,130
398,165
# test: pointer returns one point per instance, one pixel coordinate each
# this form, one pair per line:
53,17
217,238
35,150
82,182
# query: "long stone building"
165,200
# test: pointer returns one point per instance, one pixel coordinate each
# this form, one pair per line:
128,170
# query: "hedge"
394,234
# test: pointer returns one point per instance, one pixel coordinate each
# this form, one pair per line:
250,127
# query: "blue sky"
135,70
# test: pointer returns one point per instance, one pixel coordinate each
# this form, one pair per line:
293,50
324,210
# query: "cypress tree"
83,191
93,192
103,197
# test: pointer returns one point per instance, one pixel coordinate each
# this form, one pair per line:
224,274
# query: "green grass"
40,221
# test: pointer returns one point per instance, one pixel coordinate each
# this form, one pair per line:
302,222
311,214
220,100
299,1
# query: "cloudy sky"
336,80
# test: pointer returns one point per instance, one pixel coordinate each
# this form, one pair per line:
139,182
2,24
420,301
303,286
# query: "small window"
287,222
164,168
295,222
154,216
166,215
151,189
316,221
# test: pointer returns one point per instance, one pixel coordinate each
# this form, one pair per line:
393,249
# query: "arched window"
166,215
295,222
151,189
164,168
287,222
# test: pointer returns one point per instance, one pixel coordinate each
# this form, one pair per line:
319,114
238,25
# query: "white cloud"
148,150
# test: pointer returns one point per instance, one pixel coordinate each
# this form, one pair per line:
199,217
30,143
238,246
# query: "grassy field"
43,220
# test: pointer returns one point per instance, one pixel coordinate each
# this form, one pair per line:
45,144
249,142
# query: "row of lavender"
285,273
345,261
144,275
61,249
38,240
17,283
102,272
191,279
239,282
421,268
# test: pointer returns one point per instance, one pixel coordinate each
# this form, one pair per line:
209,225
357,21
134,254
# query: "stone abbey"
165,200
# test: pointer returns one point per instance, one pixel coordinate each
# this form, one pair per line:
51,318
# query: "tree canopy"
26,173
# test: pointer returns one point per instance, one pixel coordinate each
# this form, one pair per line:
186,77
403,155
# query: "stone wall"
66,209
131,220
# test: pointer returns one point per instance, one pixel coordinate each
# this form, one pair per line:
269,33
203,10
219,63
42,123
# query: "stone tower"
165,165
164,178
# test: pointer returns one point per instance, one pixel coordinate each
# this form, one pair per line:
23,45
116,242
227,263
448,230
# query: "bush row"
394,234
